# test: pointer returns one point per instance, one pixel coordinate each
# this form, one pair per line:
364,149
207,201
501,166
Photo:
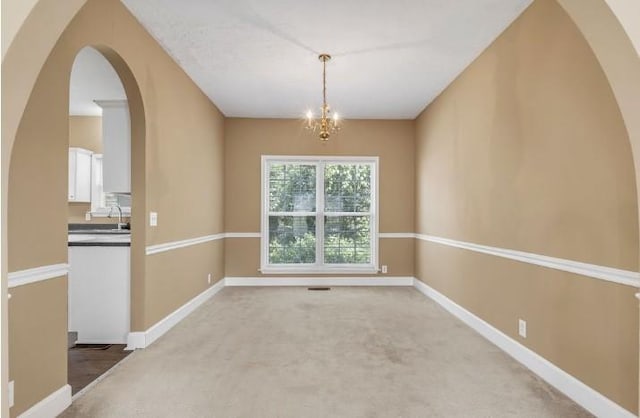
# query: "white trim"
242,235
629,278
344,214
320,281
22,277
168,246
135,340
396,235
51,406
146,338
298,213
588,398
325,158
625,277
328,269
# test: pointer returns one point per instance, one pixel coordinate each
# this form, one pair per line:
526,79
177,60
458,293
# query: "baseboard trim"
590,399
51,406
146,338
320,281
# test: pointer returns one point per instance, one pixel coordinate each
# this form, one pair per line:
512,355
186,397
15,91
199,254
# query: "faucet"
120,224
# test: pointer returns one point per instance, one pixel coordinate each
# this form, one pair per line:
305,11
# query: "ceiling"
92,78
256,58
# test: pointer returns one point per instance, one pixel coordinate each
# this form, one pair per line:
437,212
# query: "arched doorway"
38,173
99,213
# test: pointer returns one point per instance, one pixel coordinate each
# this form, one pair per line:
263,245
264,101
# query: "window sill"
319,270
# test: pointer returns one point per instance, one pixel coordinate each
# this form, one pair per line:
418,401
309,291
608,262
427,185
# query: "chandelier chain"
324,84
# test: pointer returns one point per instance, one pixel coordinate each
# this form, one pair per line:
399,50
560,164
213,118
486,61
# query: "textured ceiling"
92,78
257,58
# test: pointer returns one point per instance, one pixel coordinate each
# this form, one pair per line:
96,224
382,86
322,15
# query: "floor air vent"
318,288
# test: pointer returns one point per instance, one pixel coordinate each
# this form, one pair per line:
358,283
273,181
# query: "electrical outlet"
209,278
384,269
153,218
10,395
87,216
522,328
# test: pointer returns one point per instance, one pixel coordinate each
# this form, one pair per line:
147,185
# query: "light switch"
153,218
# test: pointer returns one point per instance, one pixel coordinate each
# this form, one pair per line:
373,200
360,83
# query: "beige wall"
85,132
42,28
37,341
527,150
169,267
177,170
246,140
13,14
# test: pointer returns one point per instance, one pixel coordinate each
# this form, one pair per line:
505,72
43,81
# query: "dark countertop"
99,244
96,229
98,235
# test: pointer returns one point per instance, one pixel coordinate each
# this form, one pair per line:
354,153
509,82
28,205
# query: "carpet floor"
346,352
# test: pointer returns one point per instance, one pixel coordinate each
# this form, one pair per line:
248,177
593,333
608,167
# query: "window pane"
347,187
113,199
292,239
292,188
347,240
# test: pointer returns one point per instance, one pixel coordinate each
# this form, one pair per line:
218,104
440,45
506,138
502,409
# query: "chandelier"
327,124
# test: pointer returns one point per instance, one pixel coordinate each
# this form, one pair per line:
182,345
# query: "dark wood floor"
88,361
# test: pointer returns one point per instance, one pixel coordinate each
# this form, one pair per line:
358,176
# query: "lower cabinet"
99,294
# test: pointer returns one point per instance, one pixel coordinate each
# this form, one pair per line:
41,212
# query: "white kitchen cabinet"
116,142
99,293
79,175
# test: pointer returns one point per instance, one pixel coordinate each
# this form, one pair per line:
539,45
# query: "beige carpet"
347,352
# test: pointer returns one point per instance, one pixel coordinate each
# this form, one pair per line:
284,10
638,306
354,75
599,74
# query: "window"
319,214
102,202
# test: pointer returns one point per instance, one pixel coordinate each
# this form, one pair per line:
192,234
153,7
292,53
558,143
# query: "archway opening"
99,219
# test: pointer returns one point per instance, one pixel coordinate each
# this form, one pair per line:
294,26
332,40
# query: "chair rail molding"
610,274
37,274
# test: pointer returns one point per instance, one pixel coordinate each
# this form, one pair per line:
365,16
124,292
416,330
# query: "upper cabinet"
79,175
116,142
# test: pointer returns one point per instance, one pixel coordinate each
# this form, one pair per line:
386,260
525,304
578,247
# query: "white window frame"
97,191
318,267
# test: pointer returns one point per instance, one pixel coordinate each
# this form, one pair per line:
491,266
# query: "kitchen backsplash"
77,212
